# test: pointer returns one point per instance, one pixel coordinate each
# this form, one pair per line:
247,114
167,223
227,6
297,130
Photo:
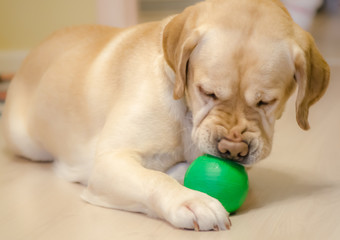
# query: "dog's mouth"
256,149
246,161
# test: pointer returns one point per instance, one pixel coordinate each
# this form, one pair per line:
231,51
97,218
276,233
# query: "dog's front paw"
198,211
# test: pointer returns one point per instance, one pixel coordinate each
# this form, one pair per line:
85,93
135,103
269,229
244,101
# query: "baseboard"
333,62
11,60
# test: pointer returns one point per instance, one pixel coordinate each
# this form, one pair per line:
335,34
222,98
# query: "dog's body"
115,109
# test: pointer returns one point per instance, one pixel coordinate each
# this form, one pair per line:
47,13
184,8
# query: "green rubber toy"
222,179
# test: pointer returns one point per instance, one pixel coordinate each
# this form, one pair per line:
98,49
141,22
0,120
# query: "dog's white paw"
198,211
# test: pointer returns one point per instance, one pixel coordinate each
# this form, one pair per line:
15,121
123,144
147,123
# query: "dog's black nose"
232,149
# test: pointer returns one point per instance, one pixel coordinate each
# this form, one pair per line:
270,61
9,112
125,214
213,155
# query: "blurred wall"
125,12
152,10
24,23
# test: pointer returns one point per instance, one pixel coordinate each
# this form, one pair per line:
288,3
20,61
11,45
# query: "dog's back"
45,102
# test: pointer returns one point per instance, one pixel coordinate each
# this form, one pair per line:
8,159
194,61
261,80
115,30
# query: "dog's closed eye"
263,103
207,93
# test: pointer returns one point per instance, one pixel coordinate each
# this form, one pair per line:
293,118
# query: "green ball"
222,179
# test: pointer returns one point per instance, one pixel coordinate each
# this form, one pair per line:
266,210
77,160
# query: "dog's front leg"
120,181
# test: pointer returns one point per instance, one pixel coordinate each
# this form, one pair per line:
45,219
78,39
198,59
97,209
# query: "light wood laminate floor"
294,194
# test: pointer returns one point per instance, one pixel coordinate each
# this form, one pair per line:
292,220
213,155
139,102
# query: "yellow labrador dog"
117,108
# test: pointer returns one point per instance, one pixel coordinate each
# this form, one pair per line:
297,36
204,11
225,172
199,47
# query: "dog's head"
236,63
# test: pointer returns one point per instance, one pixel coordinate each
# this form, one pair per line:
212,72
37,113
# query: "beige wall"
24,23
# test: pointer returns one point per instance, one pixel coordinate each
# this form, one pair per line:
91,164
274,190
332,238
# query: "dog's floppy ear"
180,37
311,73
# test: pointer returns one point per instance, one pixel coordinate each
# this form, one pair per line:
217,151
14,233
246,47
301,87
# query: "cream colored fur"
117,108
